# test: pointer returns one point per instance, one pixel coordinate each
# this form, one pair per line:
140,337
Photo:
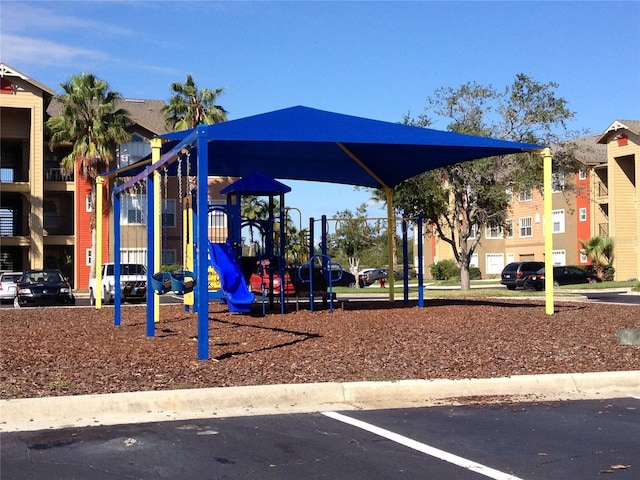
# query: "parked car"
8,281
514,274
43,287
264,272
346,279
567,275
372,275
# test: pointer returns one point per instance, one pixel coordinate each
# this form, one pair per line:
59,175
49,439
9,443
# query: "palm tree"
189,107
253,209
600,251
90,121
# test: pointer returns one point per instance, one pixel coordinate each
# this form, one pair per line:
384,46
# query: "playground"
71,351
295,143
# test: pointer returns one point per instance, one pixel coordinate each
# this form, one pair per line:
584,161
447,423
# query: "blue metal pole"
151,221
202,166
117,310
420,264
405,262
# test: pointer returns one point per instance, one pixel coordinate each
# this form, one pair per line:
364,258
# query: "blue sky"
372,59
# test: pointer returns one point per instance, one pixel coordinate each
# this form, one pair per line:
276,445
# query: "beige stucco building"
604,203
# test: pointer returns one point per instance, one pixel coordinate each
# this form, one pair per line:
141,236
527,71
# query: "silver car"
8,282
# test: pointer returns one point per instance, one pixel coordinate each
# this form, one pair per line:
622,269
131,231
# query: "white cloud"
30,51
20,17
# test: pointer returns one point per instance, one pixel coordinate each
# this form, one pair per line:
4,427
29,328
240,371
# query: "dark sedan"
43,287
561,276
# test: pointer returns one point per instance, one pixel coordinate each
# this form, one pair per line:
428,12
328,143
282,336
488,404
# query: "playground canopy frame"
301,143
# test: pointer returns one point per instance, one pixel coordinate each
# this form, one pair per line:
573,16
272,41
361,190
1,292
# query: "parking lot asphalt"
152,406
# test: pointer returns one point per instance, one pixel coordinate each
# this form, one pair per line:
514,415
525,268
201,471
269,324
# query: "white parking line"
421,447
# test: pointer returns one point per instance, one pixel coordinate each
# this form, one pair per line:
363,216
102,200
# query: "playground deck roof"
301,143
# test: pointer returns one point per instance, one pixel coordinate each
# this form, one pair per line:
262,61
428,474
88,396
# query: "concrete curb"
139,407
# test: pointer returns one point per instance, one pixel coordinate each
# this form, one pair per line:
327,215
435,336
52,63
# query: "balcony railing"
602,190
11,226
53,224
603,229
57,175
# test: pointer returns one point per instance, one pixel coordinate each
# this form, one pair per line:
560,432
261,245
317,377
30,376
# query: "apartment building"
44,213
604,202
616,196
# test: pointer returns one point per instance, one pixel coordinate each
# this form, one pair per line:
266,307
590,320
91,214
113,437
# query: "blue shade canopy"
301,143
256,183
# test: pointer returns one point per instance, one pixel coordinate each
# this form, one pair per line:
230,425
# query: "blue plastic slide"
234,286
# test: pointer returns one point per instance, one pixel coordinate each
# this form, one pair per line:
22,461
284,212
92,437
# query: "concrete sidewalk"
155,406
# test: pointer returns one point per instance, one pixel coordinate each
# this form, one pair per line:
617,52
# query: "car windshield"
11,277
42,277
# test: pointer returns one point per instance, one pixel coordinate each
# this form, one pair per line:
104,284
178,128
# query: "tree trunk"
465,281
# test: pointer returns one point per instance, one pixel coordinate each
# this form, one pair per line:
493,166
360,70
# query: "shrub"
609,273
475,273
445,269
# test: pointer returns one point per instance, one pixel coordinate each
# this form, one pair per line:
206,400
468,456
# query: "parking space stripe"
421,447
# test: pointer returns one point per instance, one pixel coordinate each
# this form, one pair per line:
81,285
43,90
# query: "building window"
558,221
509,195
473,261
582,175
169,257
473,231
526,229
493,232
557,182
583,257
583,214
132,209
88,257
133,255
88,205
134,150
525,195
509,229
168,213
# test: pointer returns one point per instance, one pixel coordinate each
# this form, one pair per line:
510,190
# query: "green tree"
189,107
353,236
90,121
462,200
600,251
253,209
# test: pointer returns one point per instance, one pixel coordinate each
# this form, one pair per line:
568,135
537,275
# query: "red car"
262,275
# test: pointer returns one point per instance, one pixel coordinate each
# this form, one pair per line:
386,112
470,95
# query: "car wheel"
556,283
92,298
352,284
511,287
16,303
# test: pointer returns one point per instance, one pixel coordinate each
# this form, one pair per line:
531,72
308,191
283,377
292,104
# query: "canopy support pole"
548,229
98,236
391,224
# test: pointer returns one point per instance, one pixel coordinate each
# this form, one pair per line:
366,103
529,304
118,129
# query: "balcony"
602,190
58,224
13,226
603,229
57,175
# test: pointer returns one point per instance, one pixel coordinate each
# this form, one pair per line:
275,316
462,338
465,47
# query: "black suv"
514,274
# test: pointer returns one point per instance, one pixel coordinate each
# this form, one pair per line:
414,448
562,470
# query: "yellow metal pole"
187,242
391,224
98,253
156,145
548,230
